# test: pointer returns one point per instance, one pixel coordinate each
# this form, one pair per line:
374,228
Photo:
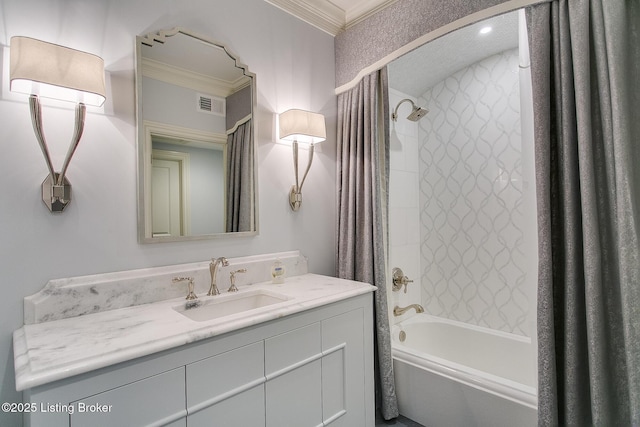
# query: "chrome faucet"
213,268
232,279
399,311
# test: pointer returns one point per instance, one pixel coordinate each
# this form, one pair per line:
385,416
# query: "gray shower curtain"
240,179
585,60
362,181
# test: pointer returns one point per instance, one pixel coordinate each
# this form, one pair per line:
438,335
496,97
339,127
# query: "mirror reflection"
196,152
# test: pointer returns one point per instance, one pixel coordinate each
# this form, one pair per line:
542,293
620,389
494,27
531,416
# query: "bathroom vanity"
298,353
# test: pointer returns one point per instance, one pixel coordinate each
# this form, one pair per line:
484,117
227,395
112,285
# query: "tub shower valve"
400,280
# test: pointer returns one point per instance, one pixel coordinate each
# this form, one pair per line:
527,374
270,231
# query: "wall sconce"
42,69
306,127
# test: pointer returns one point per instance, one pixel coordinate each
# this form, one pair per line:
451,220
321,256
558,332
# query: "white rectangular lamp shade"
52,71
302,126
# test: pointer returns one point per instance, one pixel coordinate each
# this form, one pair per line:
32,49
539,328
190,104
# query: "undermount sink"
228,304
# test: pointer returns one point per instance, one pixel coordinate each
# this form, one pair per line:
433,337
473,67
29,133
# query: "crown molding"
322,15
327,16
364,9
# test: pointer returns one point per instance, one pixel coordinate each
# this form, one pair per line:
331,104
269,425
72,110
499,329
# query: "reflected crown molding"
188,79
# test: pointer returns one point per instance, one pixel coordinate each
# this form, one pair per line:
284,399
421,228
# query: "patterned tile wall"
471,193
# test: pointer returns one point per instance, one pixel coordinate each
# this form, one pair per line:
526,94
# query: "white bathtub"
454,374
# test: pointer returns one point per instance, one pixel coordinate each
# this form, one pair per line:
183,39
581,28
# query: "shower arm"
394,115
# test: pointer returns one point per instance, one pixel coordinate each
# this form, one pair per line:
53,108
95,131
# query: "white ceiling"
420,69
332,16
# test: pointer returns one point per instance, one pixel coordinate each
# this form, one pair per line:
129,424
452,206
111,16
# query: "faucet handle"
232,278
190,294
400,280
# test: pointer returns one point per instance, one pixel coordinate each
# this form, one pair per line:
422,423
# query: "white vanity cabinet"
311,368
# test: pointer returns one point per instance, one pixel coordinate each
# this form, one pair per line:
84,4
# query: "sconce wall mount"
42,69
306,127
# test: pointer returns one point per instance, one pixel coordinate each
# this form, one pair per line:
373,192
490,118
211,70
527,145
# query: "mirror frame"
143,142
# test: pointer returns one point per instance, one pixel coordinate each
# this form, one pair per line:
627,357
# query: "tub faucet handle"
400,280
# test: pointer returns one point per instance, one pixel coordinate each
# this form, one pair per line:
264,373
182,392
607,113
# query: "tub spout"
399,311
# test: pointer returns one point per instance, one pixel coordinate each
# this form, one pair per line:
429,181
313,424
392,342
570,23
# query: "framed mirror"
195,136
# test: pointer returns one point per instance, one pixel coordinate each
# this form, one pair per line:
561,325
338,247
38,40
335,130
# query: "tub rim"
499,386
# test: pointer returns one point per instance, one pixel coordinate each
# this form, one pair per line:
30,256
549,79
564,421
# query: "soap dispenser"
277,272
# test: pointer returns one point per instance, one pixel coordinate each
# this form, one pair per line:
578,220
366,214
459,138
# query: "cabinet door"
227,389
293,368
343,370
154,401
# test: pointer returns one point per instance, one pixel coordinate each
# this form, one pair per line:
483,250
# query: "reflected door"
165,198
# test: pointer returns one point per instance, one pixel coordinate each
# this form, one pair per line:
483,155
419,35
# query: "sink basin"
228,304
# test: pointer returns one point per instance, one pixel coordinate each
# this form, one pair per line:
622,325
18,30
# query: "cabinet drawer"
219,377
288,349
156,400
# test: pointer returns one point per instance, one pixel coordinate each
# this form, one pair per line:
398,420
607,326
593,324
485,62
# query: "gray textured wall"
404,21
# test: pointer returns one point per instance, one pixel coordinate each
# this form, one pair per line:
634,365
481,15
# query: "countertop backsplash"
77,296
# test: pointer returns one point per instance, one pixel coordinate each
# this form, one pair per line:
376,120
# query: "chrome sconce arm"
56,189
295,195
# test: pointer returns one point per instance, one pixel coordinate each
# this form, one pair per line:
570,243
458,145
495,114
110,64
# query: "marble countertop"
50,351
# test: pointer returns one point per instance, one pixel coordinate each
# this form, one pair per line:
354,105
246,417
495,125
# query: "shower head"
416,112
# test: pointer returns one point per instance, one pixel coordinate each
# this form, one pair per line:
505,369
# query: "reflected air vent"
211,104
